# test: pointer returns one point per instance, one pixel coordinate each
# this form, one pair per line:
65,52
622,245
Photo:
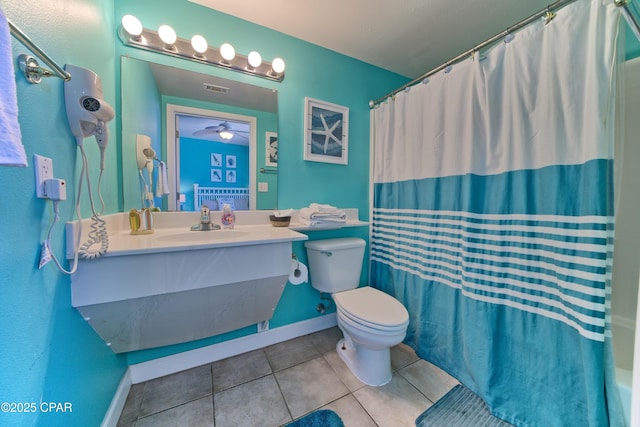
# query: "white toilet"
371,321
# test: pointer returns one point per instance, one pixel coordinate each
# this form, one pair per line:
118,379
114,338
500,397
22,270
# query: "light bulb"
132,25
199,44
277,65
227,51
225,134
254,59
167,35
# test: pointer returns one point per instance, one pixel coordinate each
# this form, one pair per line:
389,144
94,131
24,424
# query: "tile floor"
283,382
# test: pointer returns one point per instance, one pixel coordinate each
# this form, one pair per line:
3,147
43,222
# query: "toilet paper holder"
296,271
299,273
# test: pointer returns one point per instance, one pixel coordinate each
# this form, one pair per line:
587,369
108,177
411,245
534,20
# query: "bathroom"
50,353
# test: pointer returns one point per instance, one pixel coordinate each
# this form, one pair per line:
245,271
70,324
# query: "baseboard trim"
117,403
145,371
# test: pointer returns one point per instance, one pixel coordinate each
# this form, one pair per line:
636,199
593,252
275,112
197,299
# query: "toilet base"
372,367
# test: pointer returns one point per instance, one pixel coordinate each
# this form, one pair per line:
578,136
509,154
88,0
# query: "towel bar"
30,67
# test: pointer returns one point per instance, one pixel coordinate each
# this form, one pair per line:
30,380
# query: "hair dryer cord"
97,235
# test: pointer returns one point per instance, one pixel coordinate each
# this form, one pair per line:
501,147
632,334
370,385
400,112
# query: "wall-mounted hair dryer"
87,111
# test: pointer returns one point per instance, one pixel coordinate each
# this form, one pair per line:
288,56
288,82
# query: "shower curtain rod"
31,66
546,12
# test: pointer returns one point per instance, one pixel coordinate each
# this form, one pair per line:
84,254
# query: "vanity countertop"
182,239
172,233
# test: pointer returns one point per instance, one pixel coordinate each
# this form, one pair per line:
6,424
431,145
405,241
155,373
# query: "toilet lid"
372,307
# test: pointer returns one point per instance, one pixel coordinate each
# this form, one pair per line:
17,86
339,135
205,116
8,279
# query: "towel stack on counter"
318,215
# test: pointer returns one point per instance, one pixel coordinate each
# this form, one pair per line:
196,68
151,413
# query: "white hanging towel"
162,184
11,149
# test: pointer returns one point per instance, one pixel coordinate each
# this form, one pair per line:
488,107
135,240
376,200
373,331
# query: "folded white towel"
326,214
318,215
317,207
11,149
319,223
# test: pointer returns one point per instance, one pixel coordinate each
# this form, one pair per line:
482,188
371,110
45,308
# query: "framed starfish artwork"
326,132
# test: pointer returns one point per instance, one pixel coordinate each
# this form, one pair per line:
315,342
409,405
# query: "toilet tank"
335,264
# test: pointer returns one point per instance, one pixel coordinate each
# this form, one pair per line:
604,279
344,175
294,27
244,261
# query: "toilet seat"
372,308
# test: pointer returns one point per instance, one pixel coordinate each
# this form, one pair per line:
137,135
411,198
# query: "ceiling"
189,125
409,37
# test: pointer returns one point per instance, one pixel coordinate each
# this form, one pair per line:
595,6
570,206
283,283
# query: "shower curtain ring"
509,36
549,16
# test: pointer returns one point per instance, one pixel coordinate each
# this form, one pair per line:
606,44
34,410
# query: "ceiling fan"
223,130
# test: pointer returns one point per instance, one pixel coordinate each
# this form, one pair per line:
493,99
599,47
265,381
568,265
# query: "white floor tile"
432,381
395,404
309,386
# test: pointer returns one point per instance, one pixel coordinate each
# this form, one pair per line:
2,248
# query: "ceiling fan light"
225,134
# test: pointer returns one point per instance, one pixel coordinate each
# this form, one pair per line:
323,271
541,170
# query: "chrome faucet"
205,215
205,221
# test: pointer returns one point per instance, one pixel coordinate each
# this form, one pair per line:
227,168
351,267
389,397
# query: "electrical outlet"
44,170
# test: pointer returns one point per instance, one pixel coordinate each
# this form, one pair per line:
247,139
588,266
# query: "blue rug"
321,418
459,408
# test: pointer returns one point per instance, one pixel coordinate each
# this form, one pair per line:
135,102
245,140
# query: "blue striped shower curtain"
493,219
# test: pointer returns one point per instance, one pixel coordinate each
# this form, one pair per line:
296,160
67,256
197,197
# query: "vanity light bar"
146,39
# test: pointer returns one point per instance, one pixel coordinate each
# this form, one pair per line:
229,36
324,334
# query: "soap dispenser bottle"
228,216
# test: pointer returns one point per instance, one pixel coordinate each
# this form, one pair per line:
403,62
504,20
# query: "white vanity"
177,285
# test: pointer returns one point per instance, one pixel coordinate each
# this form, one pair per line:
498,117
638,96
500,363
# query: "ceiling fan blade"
205,132
222,127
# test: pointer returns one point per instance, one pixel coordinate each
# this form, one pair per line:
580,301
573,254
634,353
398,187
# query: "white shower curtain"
493,219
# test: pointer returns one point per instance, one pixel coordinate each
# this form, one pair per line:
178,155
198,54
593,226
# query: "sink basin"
201,236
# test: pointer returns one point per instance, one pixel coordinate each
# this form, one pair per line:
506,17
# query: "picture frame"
326,132
230,161
271,149
216,160
230,176
216,175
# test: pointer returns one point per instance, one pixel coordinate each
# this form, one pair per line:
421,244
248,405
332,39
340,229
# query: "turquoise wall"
311,72
632,49
48,352
195,165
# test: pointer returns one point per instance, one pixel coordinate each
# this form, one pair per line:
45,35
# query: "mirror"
199,109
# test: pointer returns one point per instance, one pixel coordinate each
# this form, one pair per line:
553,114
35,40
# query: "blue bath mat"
321,418
459,408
